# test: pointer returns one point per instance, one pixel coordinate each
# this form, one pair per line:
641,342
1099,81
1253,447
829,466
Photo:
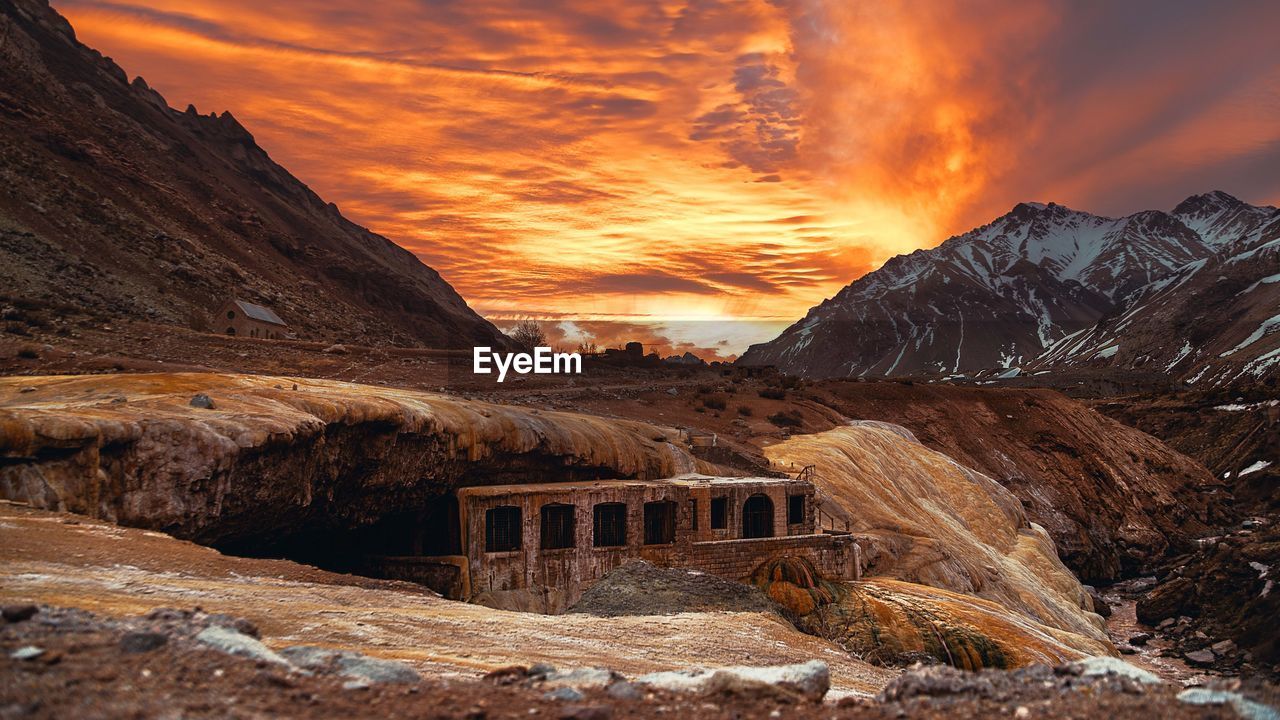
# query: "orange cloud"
710,161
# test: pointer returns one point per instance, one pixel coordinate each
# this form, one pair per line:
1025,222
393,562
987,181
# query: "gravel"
639,588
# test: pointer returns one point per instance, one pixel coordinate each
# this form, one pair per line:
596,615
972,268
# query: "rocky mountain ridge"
116,205
1032,288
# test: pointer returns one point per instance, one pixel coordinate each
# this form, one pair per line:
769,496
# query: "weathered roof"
690,480
258,312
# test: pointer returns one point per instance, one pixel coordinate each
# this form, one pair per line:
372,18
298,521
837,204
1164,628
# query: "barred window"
502,529
659,523
610,524
557,526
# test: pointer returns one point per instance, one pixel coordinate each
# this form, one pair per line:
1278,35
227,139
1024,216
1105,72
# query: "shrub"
29,353
786,419
715,403
773,393
528,334
744,410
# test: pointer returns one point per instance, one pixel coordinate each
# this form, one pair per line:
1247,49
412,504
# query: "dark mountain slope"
1213,322
115,204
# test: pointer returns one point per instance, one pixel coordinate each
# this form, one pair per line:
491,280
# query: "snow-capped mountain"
1211,322
1040,278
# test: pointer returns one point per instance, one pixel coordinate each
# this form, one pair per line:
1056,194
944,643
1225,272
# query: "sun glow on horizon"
656,162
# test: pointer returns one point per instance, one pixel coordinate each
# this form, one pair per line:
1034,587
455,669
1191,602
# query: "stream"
1123,624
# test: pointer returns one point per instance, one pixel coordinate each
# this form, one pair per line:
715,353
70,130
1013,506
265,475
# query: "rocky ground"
1220,606
1234,432
639,588
188,663
1111,497
1018,436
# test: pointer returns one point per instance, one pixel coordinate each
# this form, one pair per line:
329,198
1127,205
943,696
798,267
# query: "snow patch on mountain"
1268,326
1045,286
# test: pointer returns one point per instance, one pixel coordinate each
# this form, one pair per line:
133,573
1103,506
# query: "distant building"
245,319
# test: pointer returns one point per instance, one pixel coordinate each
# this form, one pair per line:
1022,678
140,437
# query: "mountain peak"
1004,293
1212,201
1025,212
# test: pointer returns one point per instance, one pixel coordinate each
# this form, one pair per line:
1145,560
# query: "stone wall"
837,557
548,580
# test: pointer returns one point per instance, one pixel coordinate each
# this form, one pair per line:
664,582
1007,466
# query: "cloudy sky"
704,171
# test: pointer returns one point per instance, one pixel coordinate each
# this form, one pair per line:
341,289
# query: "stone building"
540,546
245,319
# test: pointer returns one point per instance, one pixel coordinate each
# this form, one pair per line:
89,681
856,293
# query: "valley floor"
73,561
86,667
65,561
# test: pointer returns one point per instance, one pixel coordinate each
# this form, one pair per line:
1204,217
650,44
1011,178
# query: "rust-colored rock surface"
1113,498
278,454
890,622
926,520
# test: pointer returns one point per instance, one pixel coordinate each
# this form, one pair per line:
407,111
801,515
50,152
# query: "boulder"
1100,605
1200,657
354,665
142,642
1244,707
362,667
579,678
18,613
1104,665
623,690
1164,601
202,401
938,680
809,680
564,694
236,643
27,652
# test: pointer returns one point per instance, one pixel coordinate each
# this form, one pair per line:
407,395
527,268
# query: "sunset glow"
699,172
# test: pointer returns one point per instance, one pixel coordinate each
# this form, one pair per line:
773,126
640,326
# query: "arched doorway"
231,331
757,517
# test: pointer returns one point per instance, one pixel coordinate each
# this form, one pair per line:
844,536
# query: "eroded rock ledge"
274,455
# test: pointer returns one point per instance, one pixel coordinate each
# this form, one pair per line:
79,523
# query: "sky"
696,174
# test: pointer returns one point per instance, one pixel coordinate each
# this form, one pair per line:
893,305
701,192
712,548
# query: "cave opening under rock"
431,529
361,521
